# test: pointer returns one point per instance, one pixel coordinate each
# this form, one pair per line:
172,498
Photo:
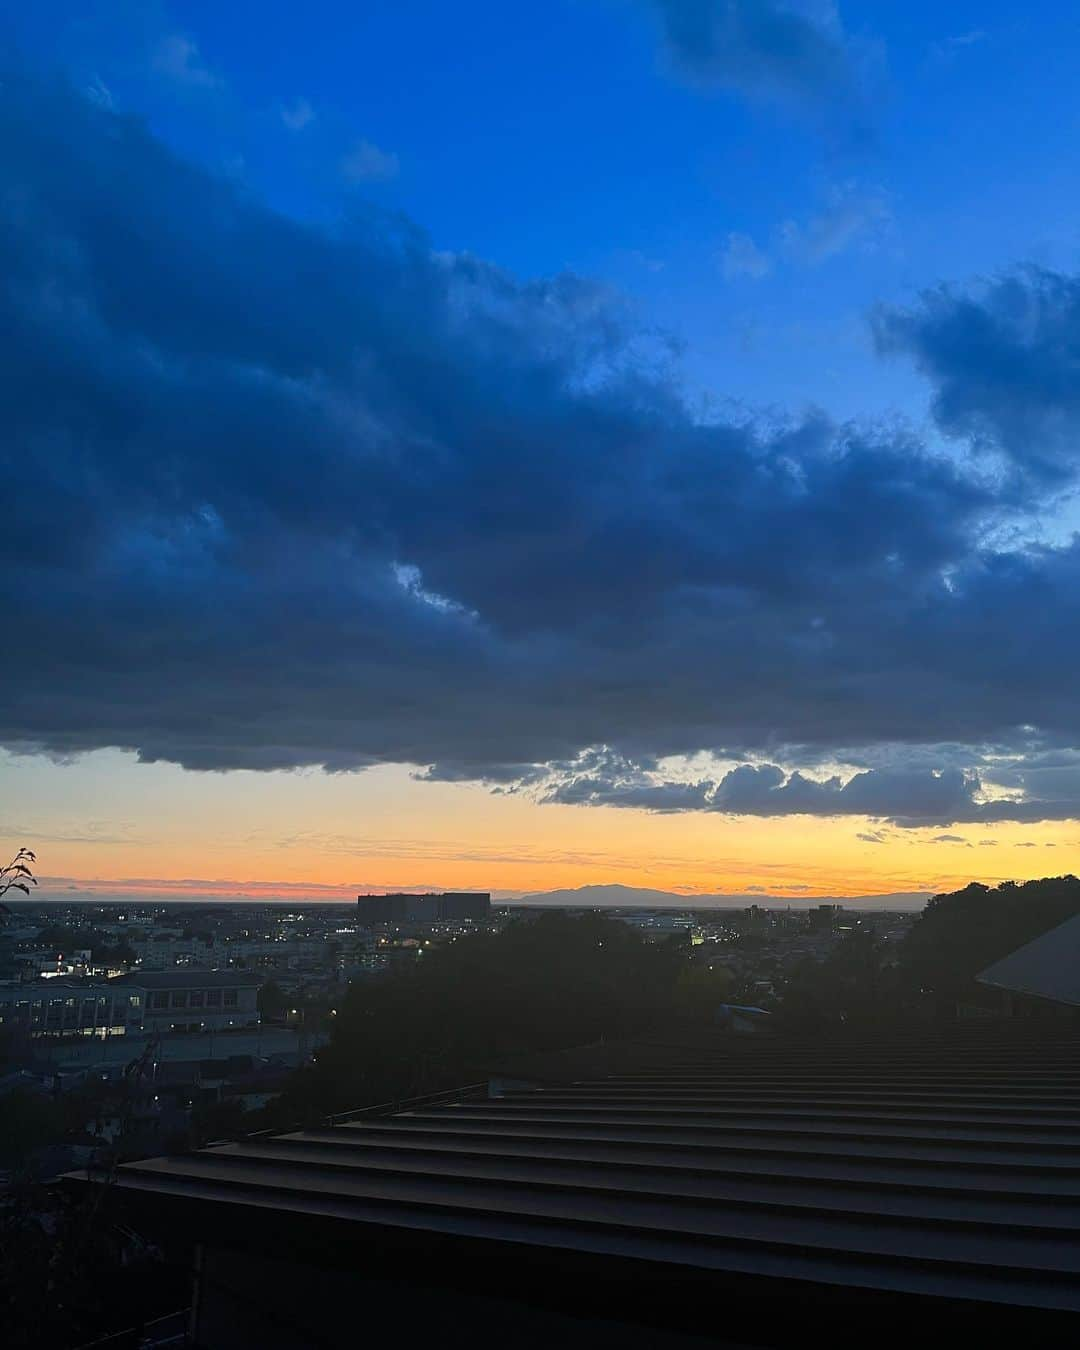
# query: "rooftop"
944,1169
59,984
189,979
1047,967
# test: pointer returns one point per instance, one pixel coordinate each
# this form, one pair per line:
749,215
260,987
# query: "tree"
272,1003
848,987
956,936
961,933
104,951
17,876
464,1008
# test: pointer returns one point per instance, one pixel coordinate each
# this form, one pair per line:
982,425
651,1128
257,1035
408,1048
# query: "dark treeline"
960,934
556,982
566,981
956,936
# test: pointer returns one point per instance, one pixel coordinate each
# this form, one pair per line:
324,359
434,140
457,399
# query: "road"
265,1041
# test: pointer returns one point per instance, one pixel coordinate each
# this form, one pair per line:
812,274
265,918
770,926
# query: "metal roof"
947,1166
56,984
1047,967
189,979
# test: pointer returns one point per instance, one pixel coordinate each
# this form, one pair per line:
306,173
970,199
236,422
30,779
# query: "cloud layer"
280,496
904,795
1002,360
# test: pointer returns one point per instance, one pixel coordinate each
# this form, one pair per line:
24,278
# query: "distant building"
448,907
754,920
59,1006
824,918
662,925
131,1005
50,964
191,1000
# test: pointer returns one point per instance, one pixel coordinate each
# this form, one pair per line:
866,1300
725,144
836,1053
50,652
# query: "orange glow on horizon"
109,825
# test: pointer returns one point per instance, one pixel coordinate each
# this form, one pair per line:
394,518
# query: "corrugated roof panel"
951,1169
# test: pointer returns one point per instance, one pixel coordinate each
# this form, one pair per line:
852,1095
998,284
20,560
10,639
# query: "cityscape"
539,737
102,972
134,1034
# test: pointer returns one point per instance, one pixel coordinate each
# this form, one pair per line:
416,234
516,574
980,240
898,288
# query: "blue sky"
562,135
638,405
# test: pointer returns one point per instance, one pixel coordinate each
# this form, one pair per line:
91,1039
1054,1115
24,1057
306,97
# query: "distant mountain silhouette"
642,897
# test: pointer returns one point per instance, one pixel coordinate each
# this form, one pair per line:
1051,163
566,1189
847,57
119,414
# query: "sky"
517,447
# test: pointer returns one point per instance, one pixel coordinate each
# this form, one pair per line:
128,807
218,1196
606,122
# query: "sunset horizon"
539,727
472,839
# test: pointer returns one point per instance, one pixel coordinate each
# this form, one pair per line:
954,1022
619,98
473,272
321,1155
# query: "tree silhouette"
17,876
959,934
553,983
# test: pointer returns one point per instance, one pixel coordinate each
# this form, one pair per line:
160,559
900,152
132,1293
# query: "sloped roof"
934,1164
1047,967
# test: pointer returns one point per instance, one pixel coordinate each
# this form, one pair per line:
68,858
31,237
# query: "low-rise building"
135,1004
49,964
192,1000
65,1007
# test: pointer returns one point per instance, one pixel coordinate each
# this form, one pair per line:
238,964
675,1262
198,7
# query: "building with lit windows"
131,1005
66,1007
192,1000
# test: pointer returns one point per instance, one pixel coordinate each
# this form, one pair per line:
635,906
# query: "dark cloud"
1002,362
907,797
779,49
282,496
